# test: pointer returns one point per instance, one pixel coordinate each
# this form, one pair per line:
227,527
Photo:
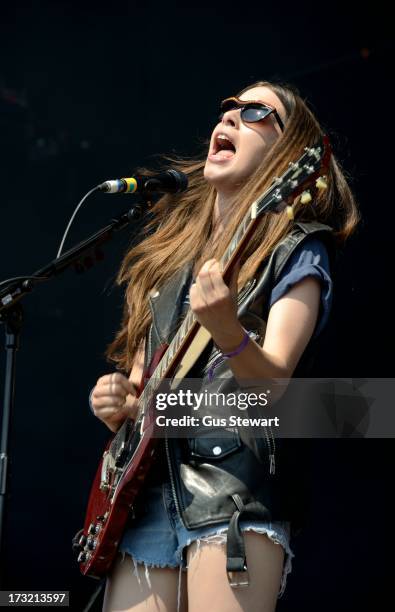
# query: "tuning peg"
290,212
321,183
305,197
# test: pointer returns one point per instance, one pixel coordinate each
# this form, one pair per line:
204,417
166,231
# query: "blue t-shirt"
309,259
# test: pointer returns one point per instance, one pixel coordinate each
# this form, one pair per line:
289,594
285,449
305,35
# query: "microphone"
170,181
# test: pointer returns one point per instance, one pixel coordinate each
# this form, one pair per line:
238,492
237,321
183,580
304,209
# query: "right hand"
113,399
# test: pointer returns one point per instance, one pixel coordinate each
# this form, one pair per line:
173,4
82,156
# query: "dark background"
88,93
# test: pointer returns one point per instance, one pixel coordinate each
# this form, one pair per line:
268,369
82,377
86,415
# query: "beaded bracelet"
224,356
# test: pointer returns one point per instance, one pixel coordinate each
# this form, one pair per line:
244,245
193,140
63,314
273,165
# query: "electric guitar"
129,454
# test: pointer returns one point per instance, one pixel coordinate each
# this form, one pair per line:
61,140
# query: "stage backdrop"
89,93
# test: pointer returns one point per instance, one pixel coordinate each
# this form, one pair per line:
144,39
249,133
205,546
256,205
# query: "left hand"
215,304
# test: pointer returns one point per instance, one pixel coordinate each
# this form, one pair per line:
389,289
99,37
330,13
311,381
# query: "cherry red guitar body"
118,482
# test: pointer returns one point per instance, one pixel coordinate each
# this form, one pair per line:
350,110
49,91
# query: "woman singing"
215,516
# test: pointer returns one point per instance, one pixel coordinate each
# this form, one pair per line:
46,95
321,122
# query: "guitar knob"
83,557
91,543
82,541
93,529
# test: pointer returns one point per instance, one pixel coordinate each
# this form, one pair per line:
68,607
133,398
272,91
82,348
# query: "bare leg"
208,587
125,593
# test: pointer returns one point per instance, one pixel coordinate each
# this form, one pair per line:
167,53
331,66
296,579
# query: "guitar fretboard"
281,190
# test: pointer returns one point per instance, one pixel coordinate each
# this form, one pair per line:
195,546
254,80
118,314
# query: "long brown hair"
184,222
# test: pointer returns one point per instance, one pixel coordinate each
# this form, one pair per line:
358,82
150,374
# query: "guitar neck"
283,190
190,326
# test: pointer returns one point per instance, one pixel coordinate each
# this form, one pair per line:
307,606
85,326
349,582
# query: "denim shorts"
158,538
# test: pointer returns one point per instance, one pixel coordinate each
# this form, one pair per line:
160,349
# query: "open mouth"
223,147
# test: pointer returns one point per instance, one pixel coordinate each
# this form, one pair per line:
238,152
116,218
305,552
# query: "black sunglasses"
250,112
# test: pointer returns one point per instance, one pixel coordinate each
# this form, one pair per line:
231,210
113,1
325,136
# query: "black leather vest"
212,487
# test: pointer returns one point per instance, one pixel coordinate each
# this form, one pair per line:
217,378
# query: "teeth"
223,137
221,143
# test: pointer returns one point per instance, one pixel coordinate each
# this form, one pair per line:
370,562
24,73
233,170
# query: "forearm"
253,362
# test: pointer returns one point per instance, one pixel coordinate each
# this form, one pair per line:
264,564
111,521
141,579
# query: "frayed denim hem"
217,538
220,538
146,573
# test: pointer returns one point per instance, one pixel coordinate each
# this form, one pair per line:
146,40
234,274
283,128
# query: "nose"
231,117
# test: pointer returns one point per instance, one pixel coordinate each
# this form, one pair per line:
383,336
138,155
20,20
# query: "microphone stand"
11,314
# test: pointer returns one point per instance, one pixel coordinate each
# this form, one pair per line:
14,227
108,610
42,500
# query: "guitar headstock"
301,175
